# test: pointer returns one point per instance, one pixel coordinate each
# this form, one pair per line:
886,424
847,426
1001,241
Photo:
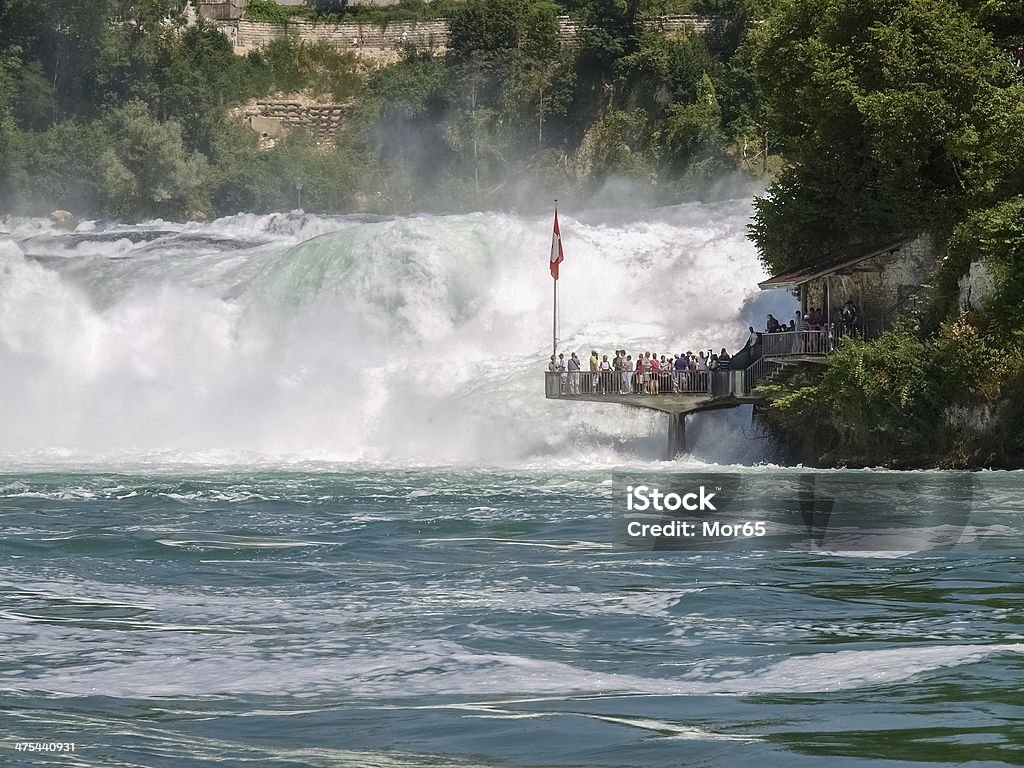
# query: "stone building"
884,280
222,10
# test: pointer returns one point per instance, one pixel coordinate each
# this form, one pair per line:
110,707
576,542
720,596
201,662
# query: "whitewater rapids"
409,340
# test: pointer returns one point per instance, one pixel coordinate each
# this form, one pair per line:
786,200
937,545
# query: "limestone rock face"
63,219
976,286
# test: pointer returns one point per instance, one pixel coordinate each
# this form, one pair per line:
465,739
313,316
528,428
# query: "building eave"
849,259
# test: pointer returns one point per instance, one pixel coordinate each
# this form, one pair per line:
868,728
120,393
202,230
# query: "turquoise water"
483,618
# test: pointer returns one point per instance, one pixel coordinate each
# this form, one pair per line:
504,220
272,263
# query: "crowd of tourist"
649,373
847,318
812,332
652,374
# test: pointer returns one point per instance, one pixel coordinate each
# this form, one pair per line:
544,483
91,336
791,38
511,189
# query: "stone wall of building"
222,10
884,287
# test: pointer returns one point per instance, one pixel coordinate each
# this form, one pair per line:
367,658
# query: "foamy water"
405,340
481,617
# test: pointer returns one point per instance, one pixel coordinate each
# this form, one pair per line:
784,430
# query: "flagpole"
554,322
554,308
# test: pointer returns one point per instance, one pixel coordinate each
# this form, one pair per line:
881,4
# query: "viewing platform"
678,393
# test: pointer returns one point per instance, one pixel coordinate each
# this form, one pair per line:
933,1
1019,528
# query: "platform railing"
794,343
568,383
814,342
722,383
750,367
757,372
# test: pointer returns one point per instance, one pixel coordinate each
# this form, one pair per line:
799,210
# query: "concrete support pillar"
676,435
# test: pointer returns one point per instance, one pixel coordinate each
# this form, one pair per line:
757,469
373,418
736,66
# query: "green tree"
616,145
995,237
691,131
400,122
148,170
1003,18
9,67
890,112
494,26
504,55
608,32
65,167
63,36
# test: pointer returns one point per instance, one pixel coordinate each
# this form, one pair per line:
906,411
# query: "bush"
270,12
889,400
64,167
317,67
147,169
329,6
995,236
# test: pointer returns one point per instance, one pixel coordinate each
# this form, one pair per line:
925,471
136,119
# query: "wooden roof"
837,261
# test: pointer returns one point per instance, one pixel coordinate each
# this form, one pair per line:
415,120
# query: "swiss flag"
556,249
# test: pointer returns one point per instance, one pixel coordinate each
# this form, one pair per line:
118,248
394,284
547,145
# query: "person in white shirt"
606,376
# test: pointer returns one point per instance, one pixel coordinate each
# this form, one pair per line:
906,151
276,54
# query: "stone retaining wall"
432,35
271,118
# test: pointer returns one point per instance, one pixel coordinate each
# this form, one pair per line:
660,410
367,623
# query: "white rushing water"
404,340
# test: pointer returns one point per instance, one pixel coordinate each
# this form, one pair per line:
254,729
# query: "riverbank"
951,400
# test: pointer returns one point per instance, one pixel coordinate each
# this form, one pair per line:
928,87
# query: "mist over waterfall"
417,339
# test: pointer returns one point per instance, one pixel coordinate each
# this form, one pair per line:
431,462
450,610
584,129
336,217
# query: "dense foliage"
895,116
339,11
898,117
121,108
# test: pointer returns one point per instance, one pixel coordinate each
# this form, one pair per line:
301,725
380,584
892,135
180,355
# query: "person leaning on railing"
680,365
655,377
801,326
550,387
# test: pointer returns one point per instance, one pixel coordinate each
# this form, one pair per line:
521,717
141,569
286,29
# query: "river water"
284,491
